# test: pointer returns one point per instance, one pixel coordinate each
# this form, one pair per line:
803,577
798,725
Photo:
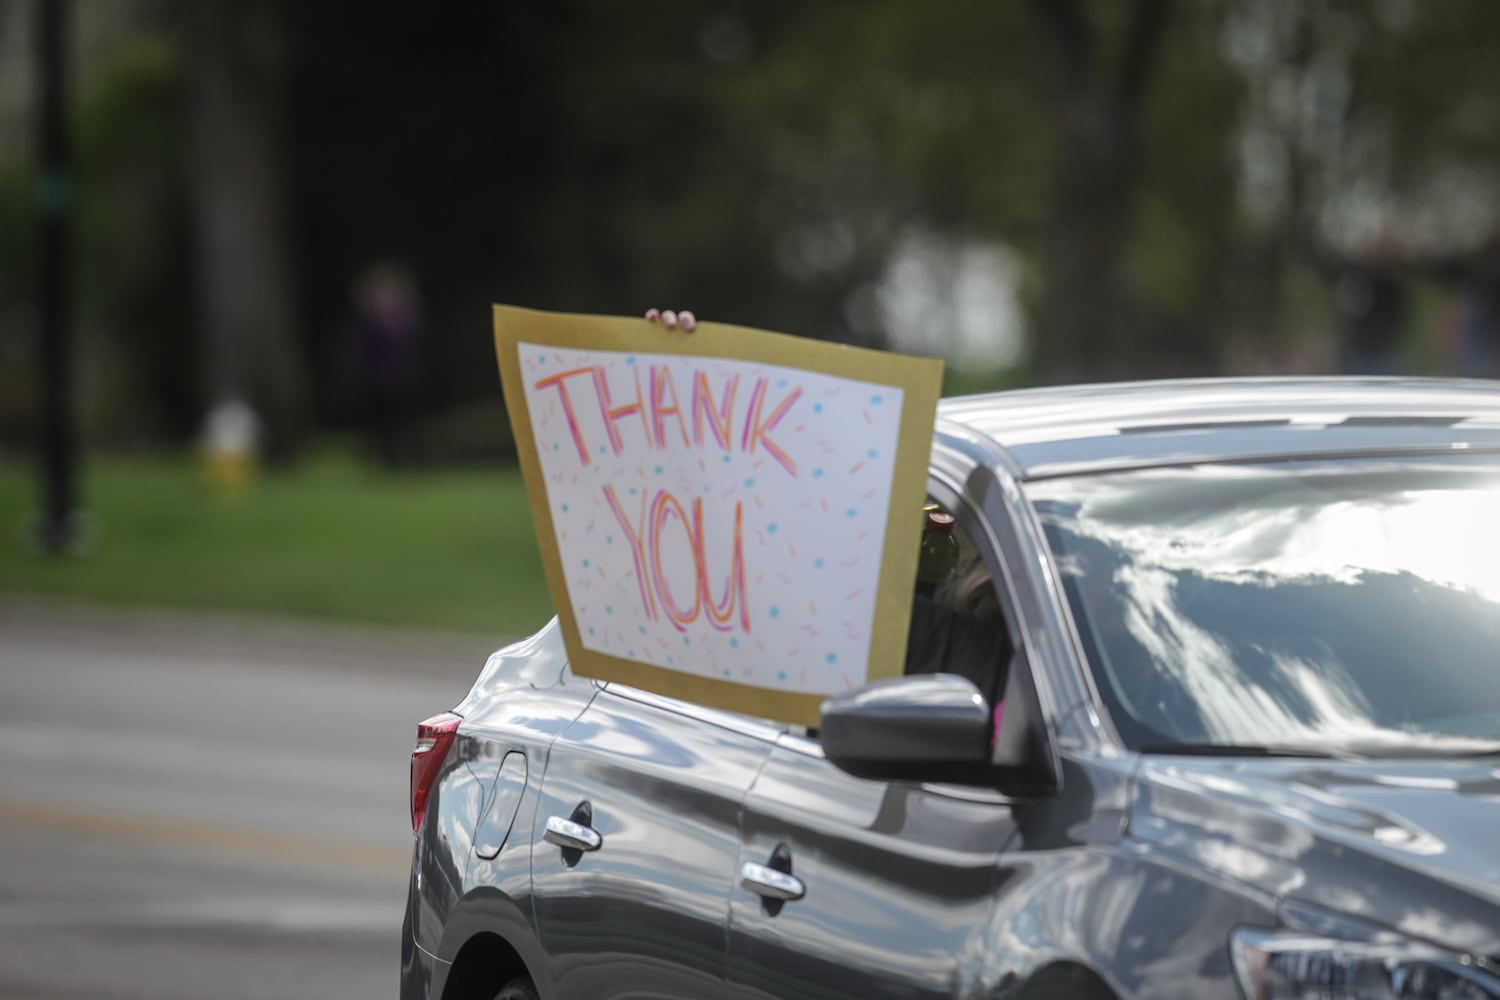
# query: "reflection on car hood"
1403,844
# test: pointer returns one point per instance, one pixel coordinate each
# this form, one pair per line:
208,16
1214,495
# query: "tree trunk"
1086,330
244,299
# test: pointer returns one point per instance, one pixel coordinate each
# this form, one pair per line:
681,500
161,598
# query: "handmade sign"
727,516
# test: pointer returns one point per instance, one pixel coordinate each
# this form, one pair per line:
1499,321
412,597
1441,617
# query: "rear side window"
957,626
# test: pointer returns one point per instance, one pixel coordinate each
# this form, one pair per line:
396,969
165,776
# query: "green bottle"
939,552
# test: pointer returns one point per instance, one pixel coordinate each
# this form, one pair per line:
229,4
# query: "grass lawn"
439,549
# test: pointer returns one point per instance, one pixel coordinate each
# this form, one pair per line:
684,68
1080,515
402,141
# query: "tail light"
434,738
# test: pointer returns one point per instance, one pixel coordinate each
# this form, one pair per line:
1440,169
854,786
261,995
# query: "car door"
636,843
866,889
896,883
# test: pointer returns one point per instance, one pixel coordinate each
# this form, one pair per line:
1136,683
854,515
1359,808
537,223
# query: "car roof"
1085,428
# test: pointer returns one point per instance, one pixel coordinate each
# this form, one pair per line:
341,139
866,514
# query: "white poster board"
717,525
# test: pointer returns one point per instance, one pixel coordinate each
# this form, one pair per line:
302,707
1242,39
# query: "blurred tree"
878,129
244,260
133,241
1098,103
1150,177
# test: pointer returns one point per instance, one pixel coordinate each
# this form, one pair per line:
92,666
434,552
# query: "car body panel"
644,914
900,880
1119,414
524,696
1403,844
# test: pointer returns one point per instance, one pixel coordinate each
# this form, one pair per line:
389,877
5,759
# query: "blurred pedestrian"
1371,300
387,339
1478,317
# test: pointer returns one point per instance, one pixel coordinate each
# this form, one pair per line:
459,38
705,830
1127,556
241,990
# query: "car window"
1350,605
957,626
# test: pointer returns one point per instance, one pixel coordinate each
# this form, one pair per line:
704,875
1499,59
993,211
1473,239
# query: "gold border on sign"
920,381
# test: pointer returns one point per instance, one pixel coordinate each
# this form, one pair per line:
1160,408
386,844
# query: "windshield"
1346,606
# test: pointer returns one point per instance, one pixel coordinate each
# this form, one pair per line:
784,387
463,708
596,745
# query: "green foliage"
758,162
333,539
131,222
1183,239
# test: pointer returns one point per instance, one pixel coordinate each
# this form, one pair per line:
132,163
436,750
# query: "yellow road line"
203,836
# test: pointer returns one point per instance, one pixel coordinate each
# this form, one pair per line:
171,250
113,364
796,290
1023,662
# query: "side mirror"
937,727
930,727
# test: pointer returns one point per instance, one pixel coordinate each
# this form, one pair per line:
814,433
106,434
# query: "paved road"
206,808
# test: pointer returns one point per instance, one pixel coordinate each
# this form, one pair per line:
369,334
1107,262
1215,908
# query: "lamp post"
58,528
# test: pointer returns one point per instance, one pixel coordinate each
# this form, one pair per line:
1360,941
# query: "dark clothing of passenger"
945,641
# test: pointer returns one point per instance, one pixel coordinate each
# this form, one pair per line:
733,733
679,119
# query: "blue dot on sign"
687,640
817,564
641,629
876,400
585,564
851,512
781,383
750,481
609,610
602,449
542,360
630,653
832,658
817,473
670,661
564,508
658,470
873,453
771,528
734,643
726,457
775,612
609,539
630,360
726,672
817,407
555,446
632,491
781,676
591,630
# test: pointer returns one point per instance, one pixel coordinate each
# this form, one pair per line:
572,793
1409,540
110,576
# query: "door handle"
571,836
770,883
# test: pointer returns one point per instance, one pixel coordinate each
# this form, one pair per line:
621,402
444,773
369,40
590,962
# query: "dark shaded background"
1156,187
